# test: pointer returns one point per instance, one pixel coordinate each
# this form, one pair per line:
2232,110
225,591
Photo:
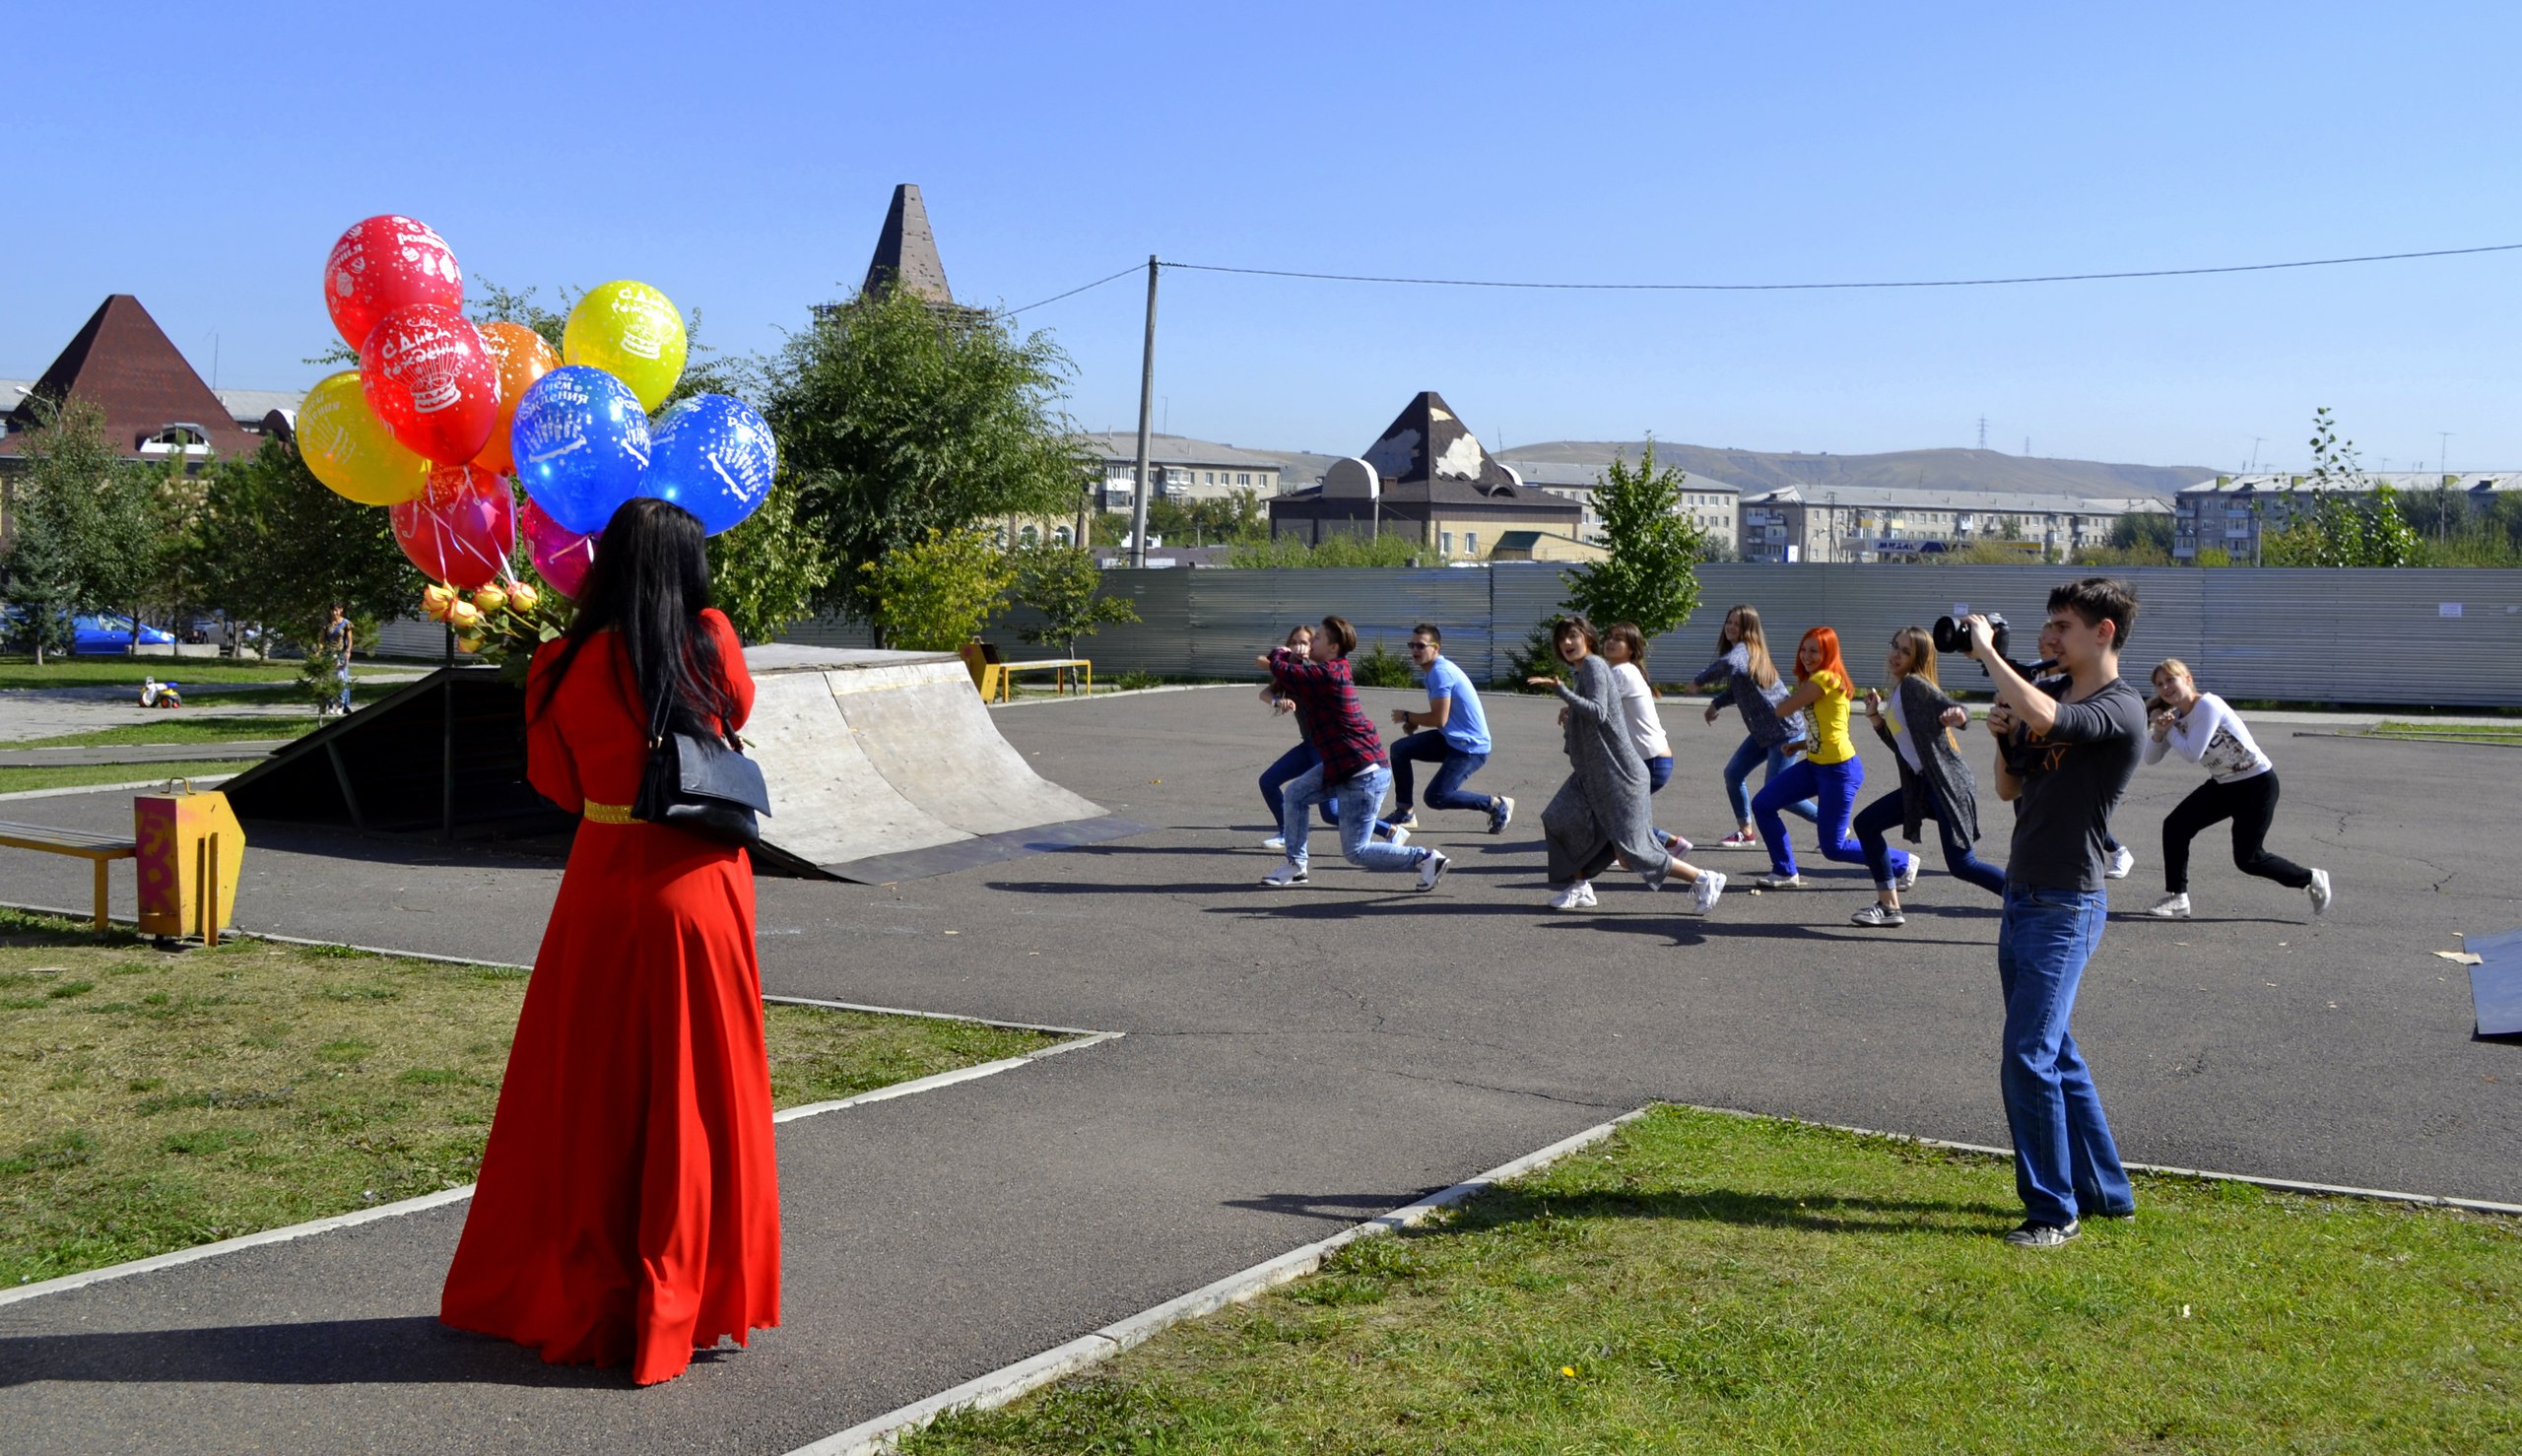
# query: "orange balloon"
522,358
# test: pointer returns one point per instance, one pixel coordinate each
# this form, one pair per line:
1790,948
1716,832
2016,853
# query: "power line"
1081,287
1932,282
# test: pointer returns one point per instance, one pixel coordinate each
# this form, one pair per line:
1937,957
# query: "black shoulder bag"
703,785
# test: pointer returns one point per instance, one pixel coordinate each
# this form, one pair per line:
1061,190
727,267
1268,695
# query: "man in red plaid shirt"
1352,766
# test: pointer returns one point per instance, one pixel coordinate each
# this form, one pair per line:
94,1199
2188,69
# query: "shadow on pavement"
414,1350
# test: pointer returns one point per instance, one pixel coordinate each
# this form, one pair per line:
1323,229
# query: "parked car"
108,634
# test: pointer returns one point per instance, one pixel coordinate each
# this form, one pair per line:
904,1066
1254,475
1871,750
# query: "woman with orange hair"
1830,772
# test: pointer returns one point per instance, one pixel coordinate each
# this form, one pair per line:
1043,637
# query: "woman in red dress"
628,1206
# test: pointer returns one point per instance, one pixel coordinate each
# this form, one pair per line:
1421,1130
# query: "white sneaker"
1432,868
2172,907
1577,897
2122,861
1287,873
1909,877
1397,834
1275,844
1780,882
1704,894
1501,815
1879,914
2320,891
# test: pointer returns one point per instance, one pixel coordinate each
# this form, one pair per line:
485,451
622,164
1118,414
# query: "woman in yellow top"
1830,772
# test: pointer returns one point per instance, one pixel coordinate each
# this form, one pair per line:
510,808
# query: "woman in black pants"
2241,786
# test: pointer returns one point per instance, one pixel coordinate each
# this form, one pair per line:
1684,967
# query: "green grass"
2450,732
152,1100
1706,1282
289,693
18,670
181,726
72,775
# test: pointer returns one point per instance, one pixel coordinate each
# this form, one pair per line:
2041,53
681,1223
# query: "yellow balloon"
632,332
342,441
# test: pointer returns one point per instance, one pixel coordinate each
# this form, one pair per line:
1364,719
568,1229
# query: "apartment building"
1864,523
2236,513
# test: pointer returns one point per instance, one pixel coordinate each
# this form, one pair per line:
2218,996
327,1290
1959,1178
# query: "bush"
1135,681
1381,667
1538,657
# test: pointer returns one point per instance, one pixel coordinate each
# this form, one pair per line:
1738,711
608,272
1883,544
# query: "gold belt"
607,813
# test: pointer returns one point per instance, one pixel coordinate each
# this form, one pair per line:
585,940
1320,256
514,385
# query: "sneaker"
1275,844
1677,846
1577,897
2122,860
1398,834
1408,819
1655,878
1431,868
1780,882
1908,877
1704,894
1879,914
2172,907
1739,839
2320,891
1287,873
1500,815
2033,1235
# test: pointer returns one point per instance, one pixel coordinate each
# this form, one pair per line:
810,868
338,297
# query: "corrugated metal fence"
2449,638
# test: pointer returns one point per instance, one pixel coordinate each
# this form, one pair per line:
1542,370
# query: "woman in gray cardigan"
1600,813
1934,782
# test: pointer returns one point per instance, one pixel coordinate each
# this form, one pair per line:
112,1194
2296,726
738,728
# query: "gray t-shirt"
2072,779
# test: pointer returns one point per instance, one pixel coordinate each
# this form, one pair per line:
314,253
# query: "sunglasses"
1422,646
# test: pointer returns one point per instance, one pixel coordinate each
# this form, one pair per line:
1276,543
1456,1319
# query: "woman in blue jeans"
1918,723
1752,686
1296,761
1830,772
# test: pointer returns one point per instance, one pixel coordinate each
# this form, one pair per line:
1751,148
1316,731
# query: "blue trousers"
1273,780
1879,817
1831,786
1360,799
2066,1163
1444,790
1738,775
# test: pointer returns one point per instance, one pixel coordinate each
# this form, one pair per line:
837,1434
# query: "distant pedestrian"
1831,774
338,638
1917,721
1746,677
1453,734
1352,766
1600,813
2241,785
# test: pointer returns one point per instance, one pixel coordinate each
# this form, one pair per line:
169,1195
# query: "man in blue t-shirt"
1452,733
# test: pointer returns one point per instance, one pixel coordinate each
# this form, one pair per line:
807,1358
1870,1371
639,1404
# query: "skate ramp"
887,766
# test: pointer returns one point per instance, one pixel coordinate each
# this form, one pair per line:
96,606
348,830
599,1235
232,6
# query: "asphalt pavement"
1300,1059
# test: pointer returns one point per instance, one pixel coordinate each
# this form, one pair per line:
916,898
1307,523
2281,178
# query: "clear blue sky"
740,156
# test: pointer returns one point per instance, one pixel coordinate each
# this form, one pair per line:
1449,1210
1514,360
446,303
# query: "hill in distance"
1986,471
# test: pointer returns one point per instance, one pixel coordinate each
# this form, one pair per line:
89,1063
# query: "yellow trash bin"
191,847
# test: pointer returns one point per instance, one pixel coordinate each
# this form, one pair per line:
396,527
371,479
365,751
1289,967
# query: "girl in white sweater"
2241,786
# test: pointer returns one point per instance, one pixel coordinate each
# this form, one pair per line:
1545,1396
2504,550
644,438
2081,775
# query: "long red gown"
628,1207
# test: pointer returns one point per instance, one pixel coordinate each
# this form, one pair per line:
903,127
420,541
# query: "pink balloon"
561,556
462,529
427,373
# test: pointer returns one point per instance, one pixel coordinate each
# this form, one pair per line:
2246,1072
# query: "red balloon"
427,373
383,264
462,529
559,555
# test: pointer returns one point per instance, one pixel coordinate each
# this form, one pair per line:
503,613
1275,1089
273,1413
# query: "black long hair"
649,585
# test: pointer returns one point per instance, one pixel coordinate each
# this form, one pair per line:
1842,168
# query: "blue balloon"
581,441
714,458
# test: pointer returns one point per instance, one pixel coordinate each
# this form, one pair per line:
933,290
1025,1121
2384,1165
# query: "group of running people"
1798,732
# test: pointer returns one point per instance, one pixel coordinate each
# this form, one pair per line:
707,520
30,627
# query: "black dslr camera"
1953,637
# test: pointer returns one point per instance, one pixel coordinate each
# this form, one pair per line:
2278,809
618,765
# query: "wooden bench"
97,849
992,676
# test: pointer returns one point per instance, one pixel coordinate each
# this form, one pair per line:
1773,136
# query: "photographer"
2064,761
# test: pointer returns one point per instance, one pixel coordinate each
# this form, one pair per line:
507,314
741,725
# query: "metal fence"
2450,639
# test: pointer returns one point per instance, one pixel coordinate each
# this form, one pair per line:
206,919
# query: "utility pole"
2255,441
1146,403
1984,431
2443,457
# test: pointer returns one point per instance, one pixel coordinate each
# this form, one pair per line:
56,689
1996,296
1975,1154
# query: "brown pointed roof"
122,362
906,251
1428,453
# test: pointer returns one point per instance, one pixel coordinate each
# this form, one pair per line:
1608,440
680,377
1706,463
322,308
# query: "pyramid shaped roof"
1428,453
124,363
906,251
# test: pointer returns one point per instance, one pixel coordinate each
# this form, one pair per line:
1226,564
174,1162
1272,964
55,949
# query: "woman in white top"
2241,786
1625,648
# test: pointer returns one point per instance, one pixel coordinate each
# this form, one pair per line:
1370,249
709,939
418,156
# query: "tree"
902,422
2355,520
933,594
766,571
273,545
63,502
2139,530
1649,578
1062,583
1340,548
44,579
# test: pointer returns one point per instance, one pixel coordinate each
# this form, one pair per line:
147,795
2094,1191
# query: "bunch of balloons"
443,414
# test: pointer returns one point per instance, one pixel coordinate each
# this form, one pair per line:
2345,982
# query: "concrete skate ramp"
886,766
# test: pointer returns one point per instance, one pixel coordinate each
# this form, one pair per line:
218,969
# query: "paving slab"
1296,1060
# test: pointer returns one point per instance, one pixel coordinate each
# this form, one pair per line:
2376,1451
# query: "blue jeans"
2065,1161
1444,790
1833,787
1738,774
1879,817
1361,798
1274,778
